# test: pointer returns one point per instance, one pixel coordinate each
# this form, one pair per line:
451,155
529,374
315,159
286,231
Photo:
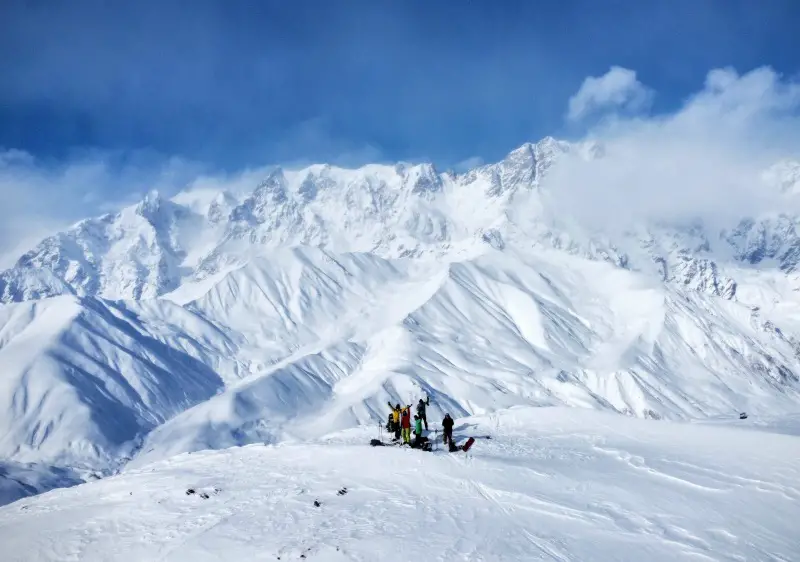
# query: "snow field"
551,484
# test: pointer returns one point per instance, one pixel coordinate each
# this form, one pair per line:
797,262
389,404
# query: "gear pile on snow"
398,423
204,495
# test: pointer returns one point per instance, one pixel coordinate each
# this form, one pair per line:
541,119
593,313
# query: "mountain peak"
522,152
423,178
525,164
275,180
271,190
150,204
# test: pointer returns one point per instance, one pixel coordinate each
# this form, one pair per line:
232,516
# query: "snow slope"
551,484
303,342
302,307
82,381
491,333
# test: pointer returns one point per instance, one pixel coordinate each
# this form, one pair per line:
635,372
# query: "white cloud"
40,198
704,161
616,89
468,164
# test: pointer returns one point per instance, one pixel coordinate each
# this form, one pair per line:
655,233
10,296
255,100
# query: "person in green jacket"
417,429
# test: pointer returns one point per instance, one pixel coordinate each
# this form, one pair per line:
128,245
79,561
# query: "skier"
417,430
447,425
396,419
405,423
421,410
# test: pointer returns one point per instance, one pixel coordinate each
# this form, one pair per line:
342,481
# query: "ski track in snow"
551,484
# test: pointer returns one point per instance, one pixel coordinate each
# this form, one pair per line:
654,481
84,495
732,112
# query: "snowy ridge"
394,211
405,210
83,378
299,309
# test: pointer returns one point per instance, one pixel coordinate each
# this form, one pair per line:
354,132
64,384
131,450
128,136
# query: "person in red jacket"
405,423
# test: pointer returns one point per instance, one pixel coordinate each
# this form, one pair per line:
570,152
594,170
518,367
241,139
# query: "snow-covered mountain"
396,211
209,319
151,248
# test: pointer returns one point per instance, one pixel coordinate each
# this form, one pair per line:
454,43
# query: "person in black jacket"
447,426
421,410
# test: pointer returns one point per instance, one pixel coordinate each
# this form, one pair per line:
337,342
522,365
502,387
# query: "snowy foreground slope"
551,484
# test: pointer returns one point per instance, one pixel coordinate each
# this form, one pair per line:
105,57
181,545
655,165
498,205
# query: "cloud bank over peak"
704,160
616,89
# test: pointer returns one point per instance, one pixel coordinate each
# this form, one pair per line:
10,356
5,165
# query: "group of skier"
400,423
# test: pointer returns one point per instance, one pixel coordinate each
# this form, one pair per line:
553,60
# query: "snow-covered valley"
284,319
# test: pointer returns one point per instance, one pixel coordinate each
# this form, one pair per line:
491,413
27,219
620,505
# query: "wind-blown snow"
551,484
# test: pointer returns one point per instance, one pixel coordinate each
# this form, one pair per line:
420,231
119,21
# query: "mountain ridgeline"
400,211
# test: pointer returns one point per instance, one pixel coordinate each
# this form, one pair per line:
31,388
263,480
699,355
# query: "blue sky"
236,83
102,101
